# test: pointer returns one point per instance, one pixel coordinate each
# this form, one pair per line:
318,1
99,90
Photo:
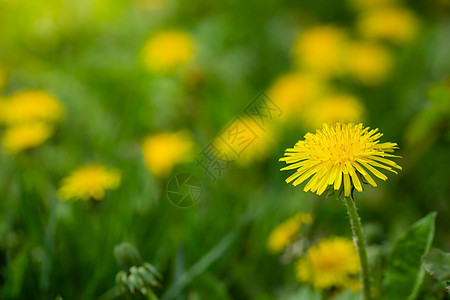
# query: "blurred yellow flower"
244,142
395,24
168,50
284,234
89,182
30,106
24,136
333,108
335,156
368,62
163,150
321,49
292,92
334,262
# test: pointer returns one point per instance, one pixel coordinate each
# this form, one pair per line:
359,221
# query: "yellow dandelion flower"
292,92
168,50
333,108
284,234
163,150
244,142
369,63
332,263
30,106
321,49
339,155
24,136
89,182
395,24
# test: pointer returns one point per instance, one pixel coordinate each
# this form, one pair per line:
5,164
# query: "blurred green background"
118,91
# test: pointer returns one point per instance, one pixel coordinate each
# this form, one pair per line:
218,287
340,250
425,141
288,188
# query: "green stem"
360,243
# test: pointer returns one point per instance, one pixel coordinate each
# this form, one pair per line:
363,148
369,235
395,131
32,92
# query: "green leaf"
16,273
437,263
404,274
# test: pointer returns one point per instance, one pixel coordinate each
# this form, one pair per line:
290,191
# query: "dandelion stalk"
342,157
360,244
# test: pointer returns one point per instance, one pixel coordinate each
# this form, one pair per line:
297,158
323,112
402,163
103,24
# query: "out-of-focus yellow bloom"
30,106
395,24
163,150
89,182
321,49
168,50
292,92
24,136
333,108
369,63
336,155
284,234
244,142
334,262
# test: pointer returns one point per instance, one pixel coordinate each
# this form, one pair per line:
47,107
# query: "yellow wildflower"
292,92
321,49
367,62
244,142
30,106
24,136
338,155
163,150
168,50
284,234
333,108
332,263
89,182
395,24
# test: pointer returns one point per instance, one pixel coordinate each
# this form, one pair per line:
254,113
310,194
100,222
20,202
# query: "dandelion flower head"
395,24
20,137
284,234
321,49
168,50
244,142
369,63
163,150
292,92
89,182
339,155
30,106
334,262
